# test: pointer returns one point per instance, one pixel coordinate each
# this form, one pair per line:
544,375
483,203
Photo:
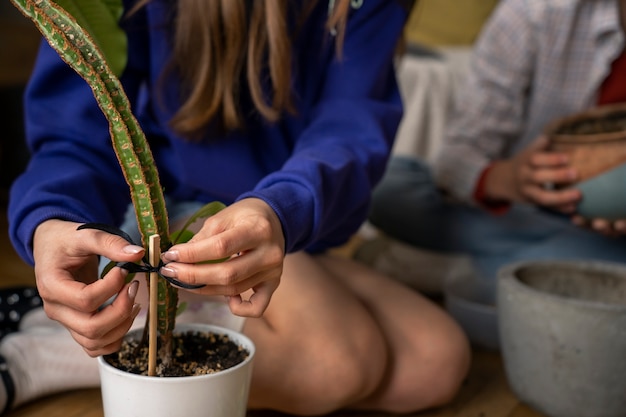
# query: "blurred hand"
249,234
603,226
66,270
536,176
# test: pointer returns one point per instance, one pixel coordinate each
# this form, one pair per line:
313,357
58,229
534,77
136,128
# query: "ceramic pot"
562,328
221,394
595,139
604,196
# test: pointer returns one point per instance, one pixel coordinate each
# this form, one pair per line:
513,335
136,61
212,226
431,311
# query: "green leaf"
202,213
100,18
181,236
184,235
182,306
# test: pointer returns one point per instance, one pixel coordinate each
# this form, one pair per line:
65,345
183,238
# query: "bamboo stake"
154,258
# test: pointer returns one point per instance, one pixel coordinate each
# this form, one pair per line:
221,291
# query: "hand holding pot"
248,235
66,269
535,175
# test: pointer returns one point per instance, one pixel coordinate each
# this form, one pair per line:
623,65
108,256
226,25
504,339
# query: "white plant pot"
221,394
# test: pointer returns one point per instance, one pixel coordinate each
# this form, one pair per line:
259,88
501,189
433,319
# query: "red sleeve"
613,88
493,206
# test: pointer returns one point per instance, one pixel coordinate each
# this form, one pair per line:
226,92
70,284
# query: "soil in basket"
615,122
195,353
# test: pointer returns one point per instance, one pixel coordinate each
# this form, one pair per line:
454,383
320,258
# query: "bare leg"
339,335
429,354
318,348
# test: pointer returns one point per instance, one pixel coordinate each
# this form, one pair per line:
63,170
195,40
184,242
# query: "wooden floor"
484,394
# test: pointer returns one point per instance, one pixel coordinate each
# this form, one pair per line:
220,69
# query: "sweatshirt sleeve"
73,173
322,193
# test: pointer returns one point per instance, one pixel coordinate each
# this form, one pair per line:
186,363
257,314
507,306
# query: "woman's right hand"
535,175
66,270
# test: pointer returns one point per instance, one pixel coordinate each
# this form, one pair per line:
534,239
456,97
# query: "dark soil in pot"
195,353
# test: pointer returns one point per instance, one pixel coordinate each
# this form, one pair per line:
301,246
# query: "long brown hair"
219,43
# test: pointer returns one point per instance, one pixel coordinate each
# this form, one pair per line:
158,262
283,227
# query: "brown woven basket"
595,139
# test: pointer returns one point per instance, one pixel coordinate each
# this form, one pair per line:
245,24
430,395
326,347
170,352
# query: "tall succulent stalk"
79,50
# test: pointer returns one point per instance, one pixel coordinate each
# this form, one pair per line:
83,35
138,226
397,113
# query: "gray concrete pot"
562,329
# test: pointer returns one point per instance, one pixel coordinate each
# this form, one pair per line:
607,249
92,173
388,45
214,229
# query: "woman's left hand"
249,235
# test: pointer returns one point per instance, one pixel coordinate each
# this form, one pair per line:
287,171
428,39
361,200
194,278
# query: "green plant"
83,33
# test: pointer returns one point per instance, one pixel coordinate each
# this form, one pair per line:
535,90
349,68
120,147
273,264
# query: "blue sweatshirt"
315,168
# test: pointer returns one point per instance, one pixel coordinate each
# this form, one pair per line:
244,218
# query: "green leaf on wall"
100,18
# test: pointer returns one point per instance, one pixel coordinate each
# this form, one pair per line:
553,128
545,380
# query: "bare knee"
341,374
449,360
321,374
449,366
440,367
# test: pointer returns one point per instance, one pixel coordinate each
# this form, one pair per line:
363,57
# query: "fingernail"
132,249
169,272
170,255
132,289
136,309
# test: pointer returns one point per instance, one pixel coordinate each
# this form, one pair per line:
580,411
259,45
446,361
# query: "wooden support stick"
154,254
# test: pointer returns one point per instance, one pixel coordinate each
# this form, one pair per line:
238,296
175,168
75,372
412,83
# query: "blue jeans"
408,206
